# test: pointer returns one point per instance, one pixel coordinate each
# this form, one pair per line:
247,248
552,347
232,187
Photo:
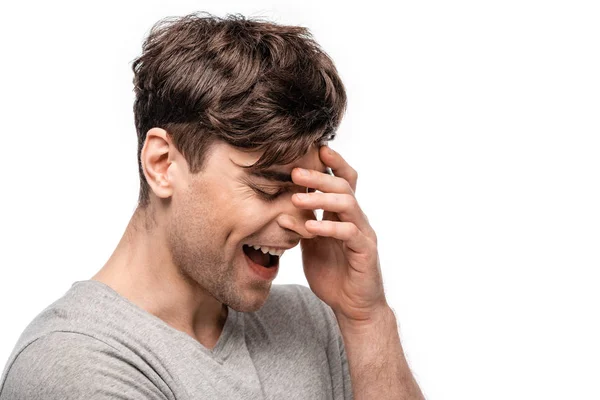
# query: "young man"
233,117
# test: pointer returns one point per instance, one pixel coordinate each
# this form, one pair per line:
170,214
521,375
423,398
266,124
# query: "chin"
251,299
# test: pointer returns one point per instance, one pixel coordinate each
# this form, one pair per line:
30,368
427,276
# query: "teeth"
265,250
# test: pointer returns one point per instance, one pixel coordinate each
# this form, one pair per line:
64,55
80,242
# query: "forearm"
378,368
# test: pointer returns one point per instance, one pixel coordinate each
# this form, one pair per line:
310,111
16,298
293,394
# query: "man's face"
220,209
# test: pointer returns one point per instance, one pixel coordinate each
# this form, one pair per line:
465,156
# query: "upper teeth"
265,250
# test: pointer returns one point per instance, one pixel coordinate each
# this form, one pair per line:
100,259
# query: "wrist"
379,317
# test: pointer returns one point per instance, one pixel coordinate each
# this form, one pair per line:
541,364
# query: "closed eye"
269,196
272,196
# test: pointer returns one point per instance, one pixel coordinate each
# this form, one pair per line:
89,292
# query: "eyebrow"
280,176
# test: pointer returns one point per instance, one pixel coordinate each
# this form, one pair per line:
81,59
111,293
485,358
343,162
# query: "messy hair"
252,83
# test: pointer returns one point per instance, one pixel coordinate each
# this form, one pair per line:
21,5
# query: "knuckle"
333,228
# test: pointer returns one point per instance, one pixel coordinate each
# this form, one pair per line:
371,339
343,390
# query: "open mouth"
265,259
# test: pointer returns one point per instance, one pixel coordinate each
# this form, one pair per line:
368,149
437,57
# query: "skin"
182,259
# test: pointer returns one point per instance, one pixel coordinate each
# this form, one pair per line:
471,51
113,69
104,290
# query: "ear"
157,160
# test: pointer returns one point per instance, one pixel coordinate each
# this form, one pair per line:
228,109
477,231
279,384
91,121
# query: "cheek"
197,216
226,212
247,207
248,218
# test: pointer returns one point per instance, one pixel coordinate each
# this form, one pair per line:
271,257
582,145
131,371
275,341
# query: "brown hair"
254,84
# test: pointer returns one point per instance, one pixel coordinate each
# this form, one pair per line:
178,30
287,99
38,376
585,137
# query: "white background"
474,126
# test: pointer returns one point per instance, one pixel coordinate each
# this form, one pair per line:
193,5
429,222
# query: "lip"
262,272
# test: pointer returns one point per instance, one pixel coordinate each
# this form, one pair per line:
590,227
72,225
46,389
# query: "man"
233,117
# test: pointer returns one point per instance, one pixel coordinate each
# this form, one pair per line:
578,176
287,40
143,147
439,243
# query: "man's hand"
341,263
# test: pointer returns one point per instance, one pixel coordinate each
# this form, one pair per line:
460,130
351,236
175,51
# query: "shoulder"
68,365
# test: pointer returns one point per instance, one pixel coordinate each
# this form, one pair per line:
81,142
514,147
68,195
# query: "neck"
141,270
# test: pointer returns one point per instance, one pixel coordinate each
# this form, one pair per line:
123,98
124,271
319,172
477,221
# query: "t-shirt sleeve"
67,365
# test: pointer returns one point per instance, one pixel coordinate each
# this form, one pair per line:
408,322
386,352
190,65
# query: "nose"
294,219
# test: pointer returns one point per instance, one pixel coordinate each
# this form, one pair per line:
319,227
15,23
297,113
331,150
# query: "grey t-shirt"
92,343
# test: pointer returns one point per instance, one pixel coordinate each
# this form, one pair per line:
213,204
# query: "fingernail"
301,196
303,172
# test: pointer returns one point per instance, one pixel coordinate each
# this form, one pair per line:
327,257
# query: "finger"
320,181
345,205
338,165
344,231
